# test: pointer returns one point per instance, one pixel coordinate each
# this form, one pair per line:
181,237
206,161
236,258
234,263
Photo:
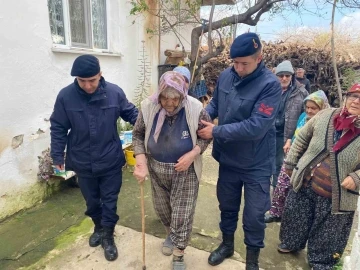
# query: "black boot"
270,218
108,244
95,238
225,250
252,259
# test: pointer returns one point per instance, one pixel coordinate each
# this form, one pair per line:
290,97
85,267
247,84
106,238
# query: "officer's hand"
206,132
349,183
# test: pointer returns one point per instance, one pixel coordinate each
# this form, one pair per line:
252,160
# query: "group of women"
318,186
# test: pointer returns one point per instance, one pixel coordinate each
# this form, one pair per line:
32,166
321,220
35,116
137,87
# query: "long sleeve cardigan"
313,143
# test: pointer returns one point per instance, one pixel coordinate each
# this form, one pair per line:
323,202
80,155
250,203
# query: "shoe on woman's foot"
167,247
178,265
270,218
178,260
282,248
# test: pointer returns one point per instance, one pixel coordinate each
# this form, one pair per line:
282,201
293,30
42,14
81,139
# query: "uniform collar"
256,73
99,94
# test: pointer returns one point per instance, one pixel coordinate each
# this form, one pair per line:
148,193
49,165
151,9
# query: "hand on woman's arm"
287,146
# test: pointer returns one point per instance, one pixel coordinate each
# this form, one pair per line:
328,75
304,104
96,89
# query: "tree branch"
172,27
208,56
210,25
212,54
333,53
261,6
262,11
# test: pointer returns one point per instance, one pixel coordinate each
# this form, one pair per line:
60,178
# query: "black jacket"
246,107
304,82
86,125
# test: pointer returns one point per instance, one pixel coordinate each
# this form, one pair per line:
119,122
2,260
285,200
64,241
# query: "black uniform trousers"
101,195
256,203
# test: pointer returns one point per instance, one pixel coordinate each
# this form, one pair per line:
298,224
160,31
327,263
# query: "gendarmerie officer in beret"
246,101
84,120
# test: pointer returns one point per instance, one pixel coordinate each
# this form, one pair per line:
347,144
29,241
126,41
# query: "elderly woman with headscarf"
313,103
324,165
168,149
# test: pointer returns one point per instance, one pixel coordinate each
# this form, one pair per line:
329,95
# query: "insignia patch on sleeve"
265,109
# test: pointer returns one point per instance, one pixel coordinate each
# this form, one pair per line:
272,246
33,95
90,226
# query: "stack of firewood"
316,61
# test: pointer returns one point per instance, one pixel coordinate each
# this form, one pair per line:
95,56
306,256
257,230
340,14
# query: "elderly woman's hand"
187,159
289,172
141,170
287,146
349,183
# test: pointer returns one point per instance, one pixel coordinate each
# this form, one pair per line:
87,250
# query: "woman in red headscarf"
168,149
324,165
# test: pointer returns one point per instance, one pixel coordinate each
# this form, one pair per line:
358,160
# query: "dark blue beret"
85,66
245,45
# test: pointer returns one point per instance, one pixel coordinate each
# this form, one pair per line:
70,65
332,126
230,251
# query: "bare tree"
333,53
250,17
173,14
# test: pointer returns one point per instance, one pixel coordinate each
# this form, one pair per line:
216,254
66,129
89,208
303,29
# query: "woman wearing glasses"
291,106
313,103
324,165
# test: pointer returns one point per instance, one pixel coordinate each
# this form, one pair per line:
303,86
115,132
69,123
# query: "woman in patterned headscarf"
324,166
313,103
168,149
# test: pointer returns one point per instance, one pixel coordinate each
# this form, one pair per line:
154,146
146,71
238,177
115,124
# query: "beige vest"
193,108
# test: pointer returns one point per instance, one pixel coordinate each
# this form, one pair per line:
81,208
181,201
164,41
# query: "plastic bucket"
128,137
129,155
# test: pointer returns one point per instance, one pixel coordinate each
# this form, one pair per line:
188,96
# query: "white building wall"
169,41
31,77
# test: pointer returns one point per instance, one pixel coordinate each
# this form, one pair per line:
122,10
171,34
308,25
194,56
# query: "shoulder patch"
265,109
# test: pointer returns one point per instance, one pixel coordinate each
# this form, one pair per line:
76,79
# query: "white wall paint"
169,41
32,75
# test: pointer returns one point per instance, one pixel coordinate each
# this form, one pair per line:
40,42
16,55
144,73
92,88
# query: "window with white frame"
78,23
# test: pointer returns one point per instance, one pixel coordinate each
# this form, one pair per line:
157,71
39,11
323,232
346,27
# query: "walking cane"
143,222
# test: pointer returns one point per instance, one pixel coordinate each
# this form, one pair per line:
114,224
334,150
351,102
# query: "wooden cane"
143,222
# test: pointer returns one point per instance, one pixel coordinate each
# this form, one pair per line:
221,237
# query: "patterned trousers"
307,218
281,191
174,197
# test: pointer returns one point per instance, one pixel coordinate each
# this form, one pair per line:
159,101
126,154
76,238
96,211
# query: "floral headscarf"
347,124
176,81
320,100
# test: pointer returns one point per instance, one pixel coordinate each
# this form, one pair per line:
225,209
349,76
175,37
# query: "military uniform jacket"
246,107
86,125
